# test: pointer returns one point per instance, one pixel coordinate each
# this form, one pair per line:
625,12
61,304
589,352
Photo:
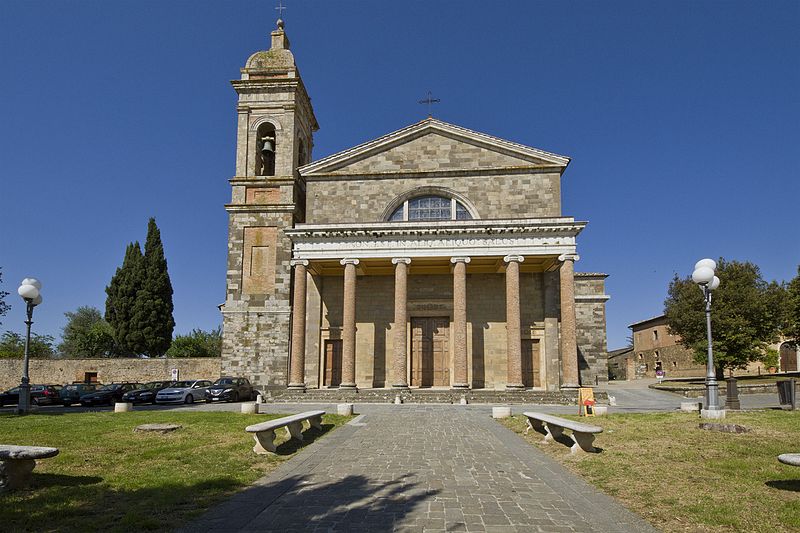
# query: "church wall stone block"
590,312
496,196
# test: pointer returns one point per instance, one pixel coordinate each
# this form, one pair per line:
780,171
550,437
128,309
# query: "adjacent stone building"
654,348
434,256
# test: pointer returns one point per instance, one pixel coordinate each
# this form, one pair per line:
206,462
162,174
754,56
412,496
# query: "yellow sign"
586,401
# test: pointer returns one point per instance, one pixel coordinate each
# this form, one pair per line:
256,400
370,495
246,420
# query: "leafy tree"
744,317
86,334
122,293
4,307
198,343
12,345
791,329
152,311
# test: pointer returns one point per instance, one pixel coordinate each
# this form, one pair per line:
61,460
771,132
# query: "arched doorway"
788,357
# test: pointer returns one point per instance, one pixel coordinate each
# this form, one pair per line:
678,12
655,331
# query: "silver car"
184,392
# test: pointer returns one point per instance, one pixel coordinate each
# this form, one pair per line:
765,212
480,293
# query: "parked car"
46,394
108,394
72,393
230,390
146,394
40,395
184,391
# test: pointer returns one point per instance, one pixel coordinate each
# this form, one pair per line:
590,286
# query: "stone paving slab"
418,469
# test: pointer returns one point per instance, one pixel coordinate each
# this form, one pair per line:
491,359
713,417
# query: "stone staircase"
440,396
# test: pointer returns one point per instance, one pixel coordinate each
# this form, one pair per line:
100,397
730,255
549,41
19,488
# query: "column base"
570,386
400,386
460,386
515,386
297,386
348,386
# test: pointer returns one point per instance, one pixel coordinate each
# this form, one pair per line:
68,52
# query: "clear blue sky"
682,120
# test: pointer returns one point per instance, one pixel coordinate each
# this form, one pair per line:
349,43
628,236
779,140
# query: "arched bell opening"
266,146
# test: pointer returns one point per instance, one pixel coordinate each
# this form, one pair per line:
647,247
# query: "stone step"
567,397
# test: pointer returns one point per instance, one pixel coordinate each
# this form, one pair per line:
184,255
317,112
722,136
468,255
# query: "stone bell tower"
274,137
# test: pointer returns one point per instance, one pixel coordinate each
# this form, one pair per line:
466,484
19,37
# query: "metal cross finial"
430,100
280,8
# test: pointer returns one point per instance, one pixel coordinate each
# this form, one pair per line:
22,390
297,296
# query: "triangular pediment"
432,146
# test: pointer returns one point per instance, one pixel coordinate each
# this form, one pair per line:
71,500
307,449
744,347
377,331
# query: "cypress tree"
152,312
121,297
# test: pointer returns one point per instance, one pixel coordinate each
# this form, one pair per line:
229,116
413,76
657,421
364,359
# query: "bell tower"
274,137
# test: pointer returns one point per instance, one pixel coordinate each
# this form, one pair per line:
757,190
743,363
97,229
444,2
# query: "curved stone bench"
264,432
553,427
17,463
792,459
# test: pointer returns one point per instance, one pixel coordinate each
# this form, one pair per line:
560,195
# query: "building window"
674,364
425,208
655,334
641,356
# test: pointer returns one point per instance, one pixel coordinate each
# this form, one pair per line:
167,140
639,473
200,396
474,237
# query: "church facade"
432,257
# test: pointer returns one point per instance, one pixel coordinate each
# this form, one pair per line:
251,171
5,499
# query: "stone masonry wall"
61,371
591,329
431,295
255,342
494,197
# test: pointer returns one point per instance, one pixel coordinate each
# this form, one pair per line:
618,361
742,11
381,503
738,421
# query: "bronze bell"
268,147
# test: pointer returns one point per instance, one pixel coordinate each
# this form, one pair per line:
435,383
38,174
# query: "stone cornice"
591,298
560,225
260,208
262,180
456,172
466,238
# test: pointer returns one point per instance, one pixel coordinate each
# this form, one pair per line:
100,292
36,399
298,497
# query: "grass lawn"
682,478
108,478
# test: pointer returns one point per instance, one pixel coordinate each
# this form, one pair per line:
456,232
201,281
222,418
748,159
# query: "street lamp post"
704,276
30,291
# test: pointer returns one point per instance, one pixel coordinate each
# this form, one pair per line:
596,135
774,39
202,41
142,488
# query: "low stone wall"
60,371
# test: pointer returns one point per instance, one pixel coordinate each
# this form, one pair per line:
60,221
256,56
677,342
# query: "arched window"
422,208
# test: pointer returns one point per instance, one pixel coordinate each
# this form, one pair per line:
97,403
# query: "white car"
184,392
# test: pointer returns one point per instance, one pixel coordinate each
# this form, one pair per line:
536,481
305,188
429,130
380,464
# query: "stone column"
349,325
513,334
399,371
460,322
297,360
569,344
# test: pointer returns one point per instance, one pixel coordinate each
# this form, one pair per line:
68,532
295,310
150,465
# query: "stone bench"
792,459
264,432
17,463
552,427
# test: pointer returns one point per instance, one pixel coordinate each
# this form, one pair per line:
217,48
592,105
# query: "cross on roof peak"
430,100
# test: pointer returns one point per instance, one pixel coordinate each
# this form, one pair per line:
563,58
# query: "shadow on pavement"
353,503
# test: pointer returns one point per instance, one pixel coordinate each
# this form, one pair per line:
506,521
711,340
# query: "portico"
459,310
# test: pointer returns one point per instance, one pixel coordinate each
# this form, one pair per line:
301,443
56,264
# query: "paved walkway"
420,468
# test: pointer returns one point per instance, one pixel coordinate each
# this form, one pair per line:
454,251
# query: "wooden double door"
430,352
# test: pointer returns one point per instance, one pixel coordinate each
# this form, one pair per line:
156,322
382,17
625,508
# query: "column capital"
295,262
455,260
349,261
405,260
569,257
514,259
